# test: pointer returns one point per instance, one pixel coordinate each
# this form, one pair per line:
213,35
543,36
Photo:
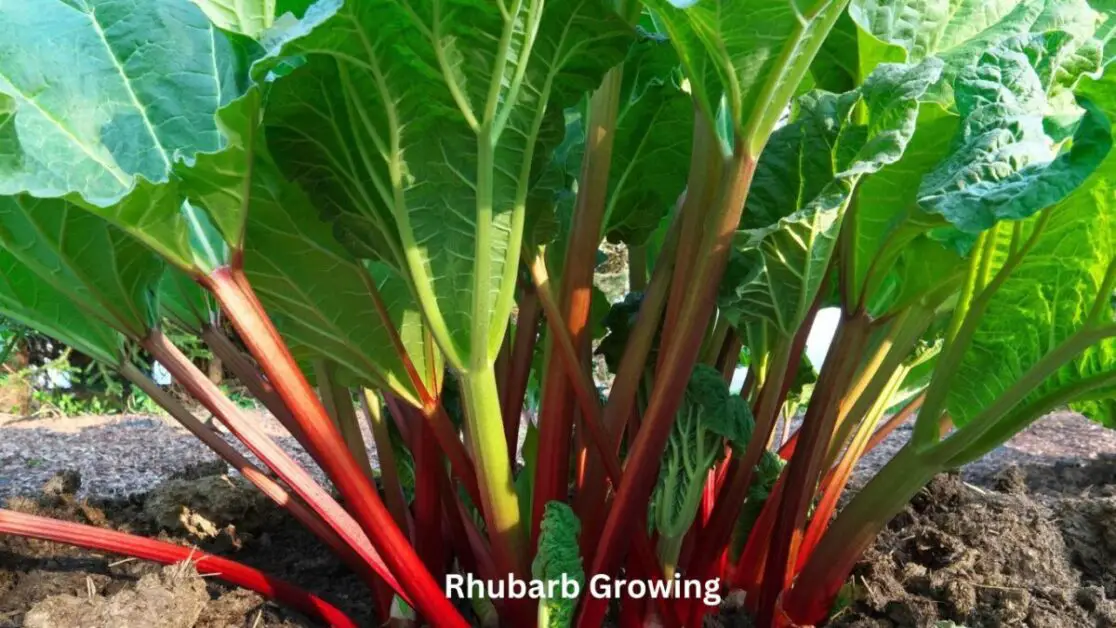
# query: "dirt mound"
49,584
171,598
210,507
1038,549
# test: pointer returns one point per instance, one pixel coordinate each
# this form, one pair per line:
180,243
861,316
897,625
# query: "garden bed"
1025,538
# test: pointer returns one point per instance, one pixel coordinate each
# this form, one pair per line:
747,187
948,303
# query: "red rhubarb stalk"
838,477
264,342
803,470
249,471
428,502
556,414
260,444
519,365
620,411
99,539
679,356
249,374
588,404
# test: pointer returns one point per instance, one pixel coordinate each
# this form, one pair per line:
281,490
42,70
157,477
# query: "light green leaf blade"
960,31
1048,298
887,217
106,272
810,170
321,297
753,51
184,303
923,271
247,17
103,91
836,67
651,151
418,122
25,297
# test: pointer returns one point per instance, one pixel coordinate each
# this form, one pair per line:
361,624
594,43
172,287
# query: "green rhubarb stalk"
497,486
872,380
895,484
338,403
885,495
926,430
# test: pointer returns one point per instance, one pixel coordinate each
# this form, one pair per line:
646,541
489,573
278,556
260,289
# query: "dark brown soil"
1033,546
58,586
1036,547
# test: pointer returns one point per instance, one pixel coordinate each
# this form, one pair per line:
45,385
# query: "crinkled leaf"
707,417
960,31
754,52
802,186
1004,165
1047,299
417,122
557,557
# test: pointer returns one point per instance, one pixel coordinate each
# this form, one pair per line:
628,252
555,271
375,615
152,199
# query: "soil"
48,585
1037,547
1030,544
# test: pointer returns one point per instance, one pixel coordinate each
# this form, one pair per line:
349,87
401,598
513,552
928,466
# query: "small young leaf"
558,557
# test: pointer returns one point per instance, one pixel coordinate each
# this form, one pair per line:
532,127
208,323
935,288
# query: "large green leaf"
105,90
415,124
755,52
321,297
25,297
803,184
999,158
106,272
960,31
887,218
1048,298
1003,164
836,67
651,151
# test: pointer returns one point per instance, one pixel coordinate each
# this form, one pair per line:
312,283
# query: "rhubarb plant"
403,203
